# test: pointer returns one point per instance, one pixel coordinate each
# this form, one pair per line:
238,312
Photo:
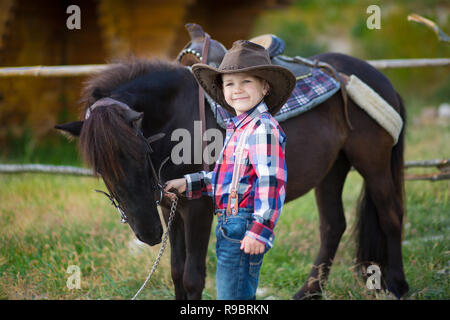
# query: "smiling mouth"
240,98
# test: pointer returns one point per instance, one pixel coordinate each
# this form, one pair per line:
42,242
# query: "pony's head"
110,143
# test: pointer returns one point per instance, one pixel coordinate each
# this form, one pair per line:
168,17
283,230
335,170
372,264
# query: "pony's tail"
371,241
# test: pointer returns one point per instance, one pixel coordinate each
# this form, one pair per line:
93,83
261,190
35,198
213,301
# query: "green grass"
50,222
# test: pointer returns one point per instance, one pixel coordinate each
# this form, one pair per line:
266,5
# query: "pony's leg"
198,221
381,216
177,252
390,217
332,226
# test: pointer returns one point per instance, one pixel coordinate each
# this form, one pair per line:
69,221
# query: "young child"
248,183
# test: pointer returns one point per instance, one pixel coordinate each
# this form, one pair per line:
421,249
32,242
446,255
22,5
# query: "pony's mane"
106,136
120,72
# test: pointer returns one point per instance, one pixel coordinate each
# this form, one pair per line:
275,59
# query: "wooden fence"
85,70
442,165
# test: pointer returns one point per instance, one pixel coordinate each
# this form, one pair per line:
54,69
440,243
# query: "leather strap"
232,206
343,79
104,102
338,77
201,100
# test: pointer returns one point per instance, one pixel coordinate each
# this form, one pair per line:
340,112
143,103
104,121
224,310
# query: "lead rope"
173,208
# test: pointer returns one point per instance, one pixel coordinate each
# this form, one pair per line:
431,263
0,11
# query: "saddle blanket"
309,91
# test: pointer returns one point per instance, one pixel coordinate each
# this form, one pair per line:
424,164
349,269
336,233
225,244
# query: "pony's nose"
151,241
150,238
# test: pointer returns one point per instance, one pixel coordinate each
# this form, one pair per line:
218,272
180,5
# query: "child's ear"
266,88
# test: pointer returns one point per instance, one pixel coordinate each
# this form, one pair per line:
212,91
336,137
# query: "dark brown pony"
320,151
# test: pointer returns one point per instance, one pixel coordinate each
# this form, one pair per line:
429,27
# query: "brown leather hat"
249,57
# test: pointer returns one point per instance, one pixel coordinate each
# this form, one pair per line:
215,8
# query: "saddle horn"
195,31
193,51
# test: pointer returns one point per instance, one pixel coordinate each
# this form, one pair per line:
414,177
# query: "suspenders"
232,206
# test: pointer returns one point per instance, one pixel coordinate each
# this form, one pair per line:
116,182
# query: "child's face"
243,91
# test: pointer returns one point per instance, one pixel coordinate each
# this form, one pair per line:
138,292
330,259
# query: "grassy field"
48,223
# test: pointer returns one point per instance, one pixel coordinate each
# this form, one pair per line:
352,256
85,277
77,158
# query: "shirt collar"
240,120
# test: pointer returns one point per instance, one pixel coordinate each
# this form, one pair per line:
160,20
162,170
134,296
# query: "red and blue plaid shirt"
262,186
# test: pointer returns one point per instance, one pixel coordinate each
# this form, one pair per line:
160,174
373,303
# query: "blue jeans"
237,272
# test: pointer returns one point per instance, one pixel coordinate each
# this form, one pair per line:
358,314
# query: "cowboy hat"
251,58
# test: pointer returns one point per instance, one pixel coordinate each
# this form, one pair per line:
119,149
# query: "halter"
158,185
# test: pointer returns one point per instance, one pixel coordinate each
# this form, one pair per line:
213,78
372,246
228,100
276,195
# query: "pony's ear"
73,128
133,116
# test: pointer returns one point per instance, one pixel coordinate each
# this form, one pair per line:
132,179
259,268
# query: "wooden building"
35,33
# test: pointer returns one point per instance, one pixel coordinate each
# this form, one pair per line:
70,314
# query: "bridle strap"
115,203
201,100
104,102
149,150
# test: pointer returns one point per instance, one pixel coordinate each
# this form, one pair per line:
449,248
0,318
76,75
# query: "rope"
163,246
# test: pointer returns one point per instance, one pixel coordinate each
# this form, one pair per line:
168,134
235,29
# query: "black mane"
119,73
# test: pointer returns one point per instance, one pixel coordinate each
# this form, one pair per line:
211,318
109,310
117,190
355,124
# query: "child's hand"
252,246
178,184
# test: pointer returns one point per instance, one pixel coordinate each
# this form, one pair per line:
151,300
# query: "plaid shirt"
262,184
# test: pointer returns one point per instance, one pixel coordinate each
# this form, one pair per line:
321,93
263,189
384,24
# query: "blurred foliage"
31,106
28,148
26,133
296,34
314,26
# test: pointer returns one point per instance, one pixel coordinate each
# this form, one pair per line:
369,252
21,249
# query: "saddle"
192,52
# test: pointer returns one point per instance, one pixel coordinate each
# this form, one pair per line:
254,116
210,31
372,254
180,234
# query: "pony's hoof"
307,295
398,287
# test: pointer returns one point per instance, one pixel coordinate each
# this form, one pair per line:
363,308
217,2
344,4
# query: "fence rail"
409,63
52,71
442,174
442,165
44,168
88,69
